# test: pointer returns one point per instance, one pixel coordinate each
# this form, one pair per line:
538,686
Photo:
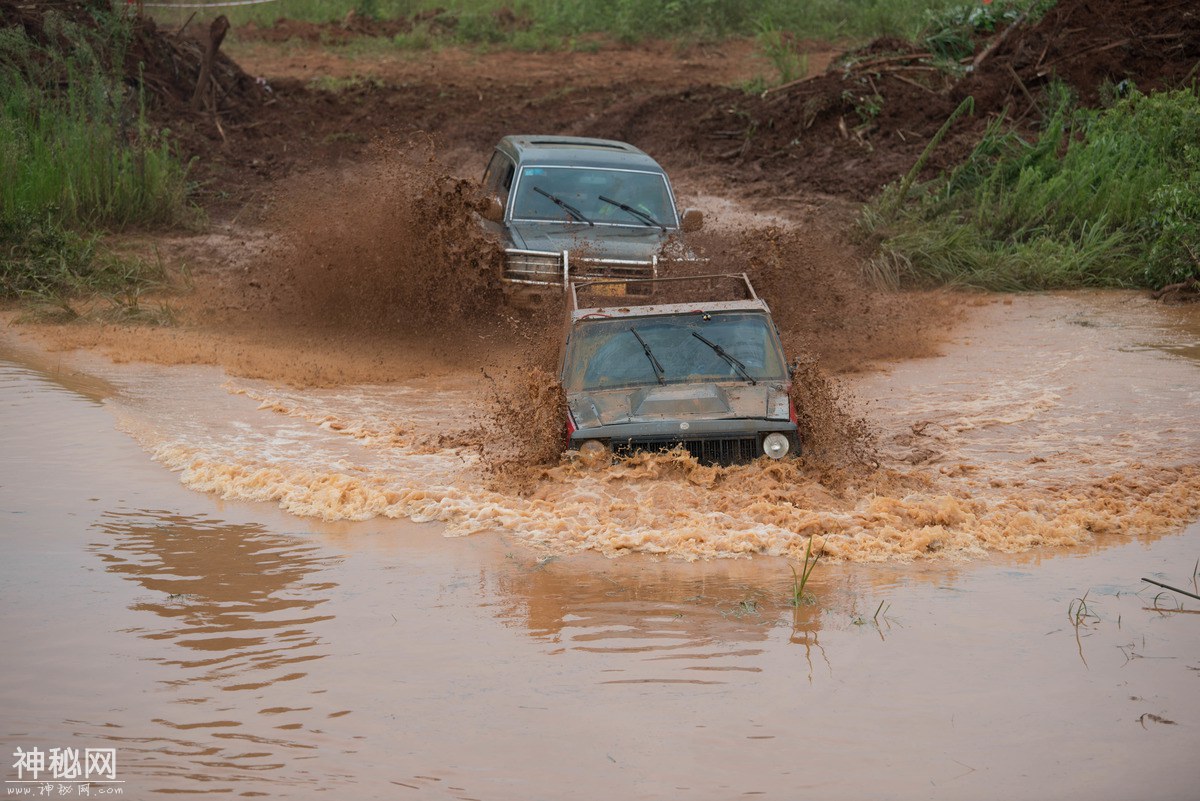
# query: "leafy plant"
950,32
778,47
866,106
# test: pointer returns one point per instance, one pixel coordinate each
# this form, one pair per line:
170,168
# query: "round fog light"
776,445
592,448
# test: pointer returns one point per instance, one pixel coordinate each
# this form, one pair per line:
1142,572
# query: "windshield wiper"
659,372
641,215
574,212
734,363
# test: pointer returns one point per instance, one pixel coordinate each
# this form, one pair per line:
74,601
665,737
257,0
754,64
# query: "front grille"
705,451
593,269
527,267
611,268
547,268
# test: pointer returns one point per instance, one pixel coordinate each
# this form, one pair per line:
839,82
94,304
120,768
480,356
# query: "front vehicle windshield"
594,194
630,352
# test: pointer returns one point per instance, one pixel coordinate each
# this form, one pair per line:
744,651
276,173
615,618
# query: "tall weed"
1102,197
625,20
77,151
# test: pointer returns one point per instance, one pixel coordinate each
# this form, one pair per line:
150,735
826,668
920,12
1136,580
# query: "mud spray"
393,381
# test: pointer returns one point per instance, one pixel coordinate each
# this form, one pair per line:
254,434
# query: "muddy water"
1050,421
231,647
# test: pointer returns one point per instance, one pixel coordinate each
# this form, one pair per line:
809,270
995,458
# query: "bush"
76,150
1103,197
552,21
950,32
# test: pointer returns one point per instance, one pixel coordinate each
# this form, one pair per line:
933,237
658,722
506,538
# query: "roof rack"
740,278
541,142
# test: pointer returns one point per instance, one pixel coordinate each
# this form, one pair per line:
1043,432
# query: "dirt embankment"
844,132
853,126
865,121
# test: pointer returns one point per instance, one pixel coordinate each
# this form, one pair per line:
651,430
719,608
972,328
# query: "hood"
703,401
600,241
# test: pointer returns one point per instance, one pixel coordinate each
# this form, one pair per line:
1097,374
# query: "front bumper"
722,442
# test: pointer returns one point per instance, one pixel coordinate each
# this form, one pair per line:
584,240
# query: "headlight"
593,449
776,445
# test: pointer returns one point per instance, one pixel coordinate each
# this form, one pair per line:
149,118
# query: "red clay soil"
1088,43
845,133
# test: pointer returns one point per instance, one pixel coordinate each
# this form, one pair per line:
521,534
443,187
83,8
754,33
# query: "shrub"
1103,197
76,149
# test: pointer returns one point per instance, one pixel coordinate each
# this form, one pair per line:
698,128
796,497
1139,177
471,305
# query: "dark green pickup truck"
566,207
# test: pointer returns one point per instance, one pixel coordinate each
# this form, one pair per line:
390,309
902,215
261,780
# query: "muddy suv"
566,207
706,375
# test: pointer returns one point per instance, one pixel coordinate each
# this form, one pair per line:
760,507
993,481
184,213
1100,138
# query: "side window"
498,177
506,181
493,167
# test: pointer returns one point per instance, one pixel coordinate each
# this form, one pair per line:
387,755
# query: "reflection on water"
663,623
235,596
235,610
1180,335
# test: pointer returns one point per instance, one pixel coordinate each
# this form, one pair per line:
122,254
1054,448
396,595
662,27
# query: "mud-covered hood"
703,401
601,241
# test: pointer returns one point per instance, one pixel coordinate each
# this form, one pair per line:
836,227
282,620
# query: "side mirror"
493,211
693,220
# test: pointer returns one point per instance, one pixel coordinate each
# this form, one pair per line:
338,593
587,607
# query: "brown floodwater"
222,579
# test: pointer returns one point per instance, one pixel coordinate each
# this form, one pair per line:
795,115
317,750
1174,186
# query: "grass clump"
77,155
951,32
780,49
1101,197
548,24
800,579
48,266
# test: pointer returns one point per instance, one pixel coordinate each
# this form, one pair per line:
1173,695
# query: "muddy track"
859,121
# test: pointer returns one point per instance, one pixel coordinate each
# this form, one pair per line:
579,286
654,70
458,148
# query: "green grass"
781,51
1102,197
48,267
950,32
554,21
77,155
800,579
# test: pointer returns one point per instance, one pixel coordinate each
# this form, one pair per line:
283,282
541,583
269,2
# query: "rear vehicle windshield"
605,354
582,188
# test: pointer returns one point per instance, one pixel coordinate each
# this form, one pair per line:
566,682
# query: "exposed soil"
846,131
1090,43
